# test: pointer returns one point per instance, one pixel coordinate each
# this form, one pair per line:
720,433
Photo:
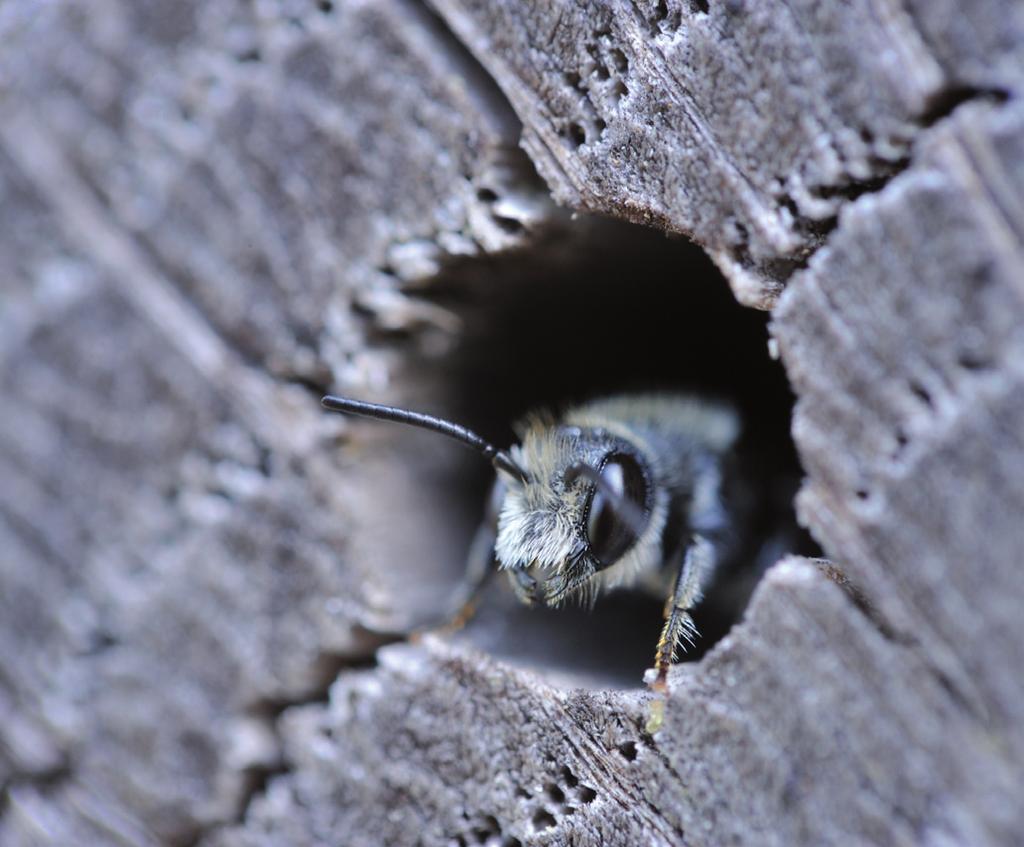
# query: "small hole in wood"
972,360
921,393
902,440
543,819
628,751
489,828
509,225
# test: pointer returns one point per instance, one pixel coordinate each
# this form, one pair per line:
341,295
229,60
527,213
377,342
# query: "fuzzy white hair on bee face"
588,516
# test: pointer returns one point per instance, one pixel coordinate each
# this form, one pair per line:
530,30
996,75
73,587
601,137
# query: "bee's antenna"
632,515
499,458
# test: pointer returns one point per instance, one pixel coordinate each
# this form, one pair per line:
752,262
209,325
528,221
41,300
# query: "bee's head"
585,503
579,500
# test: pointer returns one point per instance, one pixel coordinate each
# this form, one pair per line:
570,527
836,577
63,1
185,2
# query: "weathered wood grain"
210,211
174,277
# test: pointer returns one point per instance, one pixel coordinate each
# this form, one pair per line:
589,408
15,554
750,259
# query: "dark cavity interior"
606,308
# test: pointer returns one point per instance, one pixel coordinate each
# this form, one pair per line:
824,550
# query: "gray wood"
747,127
210,211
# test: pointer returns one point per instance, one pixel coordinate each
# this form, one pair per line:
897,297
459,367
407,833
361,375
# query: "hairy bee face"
559,533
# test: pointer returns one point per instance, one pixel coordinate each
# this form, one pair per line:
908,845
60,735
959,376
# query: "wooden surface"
209,212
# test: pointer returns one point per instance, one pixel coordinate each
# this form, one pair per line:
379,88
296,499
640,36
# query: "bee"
617,492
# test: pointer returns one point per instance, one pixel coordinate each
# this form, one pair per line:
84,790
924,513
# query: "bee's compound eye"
610,536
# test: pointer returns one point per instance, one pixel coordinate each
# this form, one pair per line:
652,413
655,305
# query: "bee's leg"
480,567
697,565
524,586
479,570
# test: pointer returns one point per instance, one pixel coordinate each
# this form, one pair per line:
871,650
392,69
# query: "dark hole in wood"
628,750
543,819
510,225
921,393
606,308
973,360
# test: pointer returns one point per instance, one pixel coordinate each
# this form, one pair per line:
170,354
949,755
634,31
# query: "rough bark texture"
212,210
